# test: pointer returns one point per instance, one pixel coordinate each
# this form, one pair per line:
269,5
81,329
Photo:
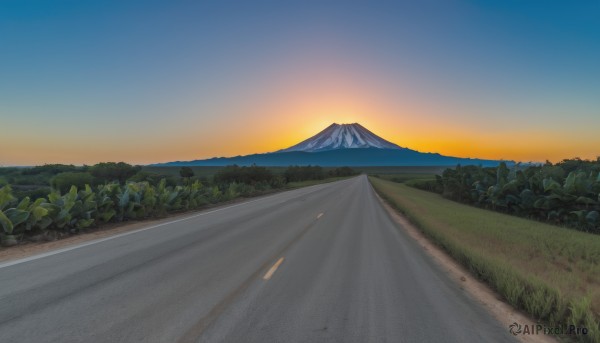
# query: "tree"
186,172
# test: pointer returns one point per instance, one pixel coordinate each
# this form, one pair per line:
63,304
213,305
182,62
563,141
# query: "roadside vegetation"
566,193
550,272
60,200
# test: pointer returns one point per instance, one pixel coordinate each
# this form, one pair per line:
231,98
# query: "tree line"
566,193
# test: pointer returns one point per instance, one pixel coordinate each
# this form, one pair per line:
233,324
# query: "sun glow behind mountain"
340,145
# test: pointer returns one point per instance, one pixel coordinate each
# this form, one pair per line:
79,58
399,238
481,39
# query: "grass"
404,177
403,174
299,184
403,170
550,272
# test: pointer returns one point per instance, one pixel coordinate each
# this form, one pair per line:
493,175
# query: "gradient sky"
156,81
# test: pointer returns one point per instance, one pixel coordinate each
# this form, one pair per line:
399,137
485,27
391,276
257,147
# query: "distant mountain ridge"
340,145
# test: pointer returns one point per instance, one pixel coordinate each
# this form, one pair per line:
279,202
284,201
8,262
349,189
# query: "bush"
186,172
112,171
297,173
153,178
426,185
52,169
566,193
32,192
342,171
64,181
248,175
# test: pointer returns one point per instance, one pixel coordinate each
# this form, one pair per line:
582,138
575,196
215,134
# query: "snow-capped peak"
342,136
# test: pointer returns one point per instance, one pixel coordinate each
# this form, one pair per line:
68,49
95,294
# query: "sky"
155,81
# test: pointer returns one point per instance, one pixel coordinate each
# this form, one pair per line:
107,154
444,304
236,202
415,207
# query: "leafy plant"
567,193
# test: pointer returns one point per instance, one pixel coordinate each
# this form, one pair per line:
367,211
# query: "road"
318,264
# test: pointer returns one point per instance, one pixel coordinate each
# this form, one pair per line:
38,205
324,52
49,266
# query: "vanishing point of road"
318,264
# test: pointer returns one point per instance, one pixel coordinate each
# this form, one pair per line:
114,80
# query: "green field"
299,184
404,177
402,174
551,272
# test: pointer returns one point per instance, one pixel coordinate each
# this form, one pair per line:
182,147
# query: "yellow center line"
320,215
271,271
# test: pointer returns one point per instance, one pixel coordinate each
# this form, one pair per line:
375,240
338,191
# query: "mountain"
344,136
340,145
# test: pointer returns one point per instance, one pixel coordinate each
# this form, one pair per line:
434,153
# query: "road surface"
318,264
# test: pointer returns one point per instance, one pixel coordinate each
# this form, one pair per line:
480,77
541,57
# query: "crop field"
552,273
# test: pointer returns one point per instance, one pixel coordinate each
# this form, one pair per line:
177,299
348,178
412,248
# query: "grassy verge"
410,177
401,170
299,184
550,272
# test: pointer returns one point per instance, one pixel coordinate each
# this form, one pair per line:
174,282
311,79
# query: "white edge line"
59,251
54,252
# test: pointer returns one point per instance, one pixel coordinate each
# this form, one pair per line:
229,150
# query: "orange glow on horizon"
450,142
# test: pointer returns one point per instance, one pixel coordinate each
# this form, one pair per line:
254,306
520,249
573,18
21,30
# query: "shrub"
52,169
426,185
297,173
64,181
566,193
112,171
342,171
248,175
186,172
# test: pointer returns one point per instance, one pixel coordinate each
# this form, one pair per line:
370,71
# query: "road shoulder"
31,248
487,297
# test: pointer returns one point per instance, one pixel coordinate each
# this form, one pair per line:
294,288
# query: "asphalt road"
318,264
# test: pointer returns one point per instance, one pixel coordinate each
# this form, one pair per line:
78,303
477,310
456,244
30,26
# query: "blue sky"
151,81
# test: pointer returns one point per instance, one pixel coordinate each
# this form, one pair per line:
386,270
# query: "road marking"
273,269
320,215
